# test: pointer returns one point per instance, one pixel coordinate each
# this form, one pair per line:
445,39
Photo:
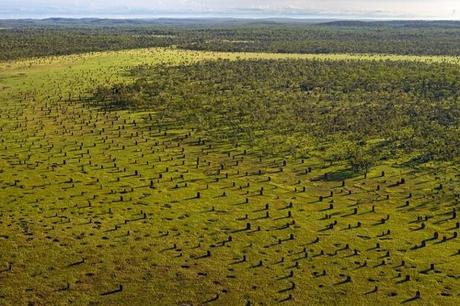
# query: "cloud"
360,8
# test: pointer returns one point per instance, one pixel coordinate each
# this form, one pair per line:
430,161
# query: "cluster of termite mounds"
88,181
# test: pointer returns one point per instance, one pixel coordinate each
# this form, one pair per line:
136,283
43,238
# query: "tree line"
53,37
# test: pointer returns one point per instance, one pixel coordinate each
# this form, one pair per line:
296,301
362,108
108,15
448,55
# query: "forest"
22,39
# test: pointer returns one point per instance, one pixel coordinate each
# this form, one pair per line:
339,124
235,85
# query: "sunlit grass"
64,168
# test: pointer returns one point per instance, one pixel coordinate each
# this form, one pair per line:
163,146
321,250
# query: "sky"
347,9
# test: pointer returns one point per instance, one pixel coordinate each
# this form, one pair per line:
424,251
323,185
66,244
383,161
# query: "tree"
359,159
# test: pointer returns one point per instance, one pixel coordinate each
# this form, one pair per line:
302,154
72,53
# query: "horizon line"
219,17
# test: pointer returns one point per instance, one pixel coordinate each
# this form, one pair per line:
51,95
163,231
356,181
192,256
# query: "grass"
77,221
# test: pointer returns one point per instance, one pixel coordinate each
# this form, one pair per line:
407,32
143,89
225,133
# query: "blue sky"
423,9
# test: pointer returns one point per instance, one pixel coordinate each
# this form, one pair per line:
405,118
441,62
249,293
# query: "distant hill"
395,23
101,22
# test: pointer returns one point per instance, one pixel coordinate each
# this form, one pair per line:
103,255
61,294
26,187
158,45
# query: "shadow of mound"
337,176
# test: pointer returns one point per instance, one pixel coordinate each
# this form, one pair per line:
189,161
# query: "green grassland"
132,205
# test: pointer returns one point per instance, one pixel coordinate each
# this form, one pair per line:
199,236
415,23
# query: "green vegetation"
23,39
397,108
179,177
